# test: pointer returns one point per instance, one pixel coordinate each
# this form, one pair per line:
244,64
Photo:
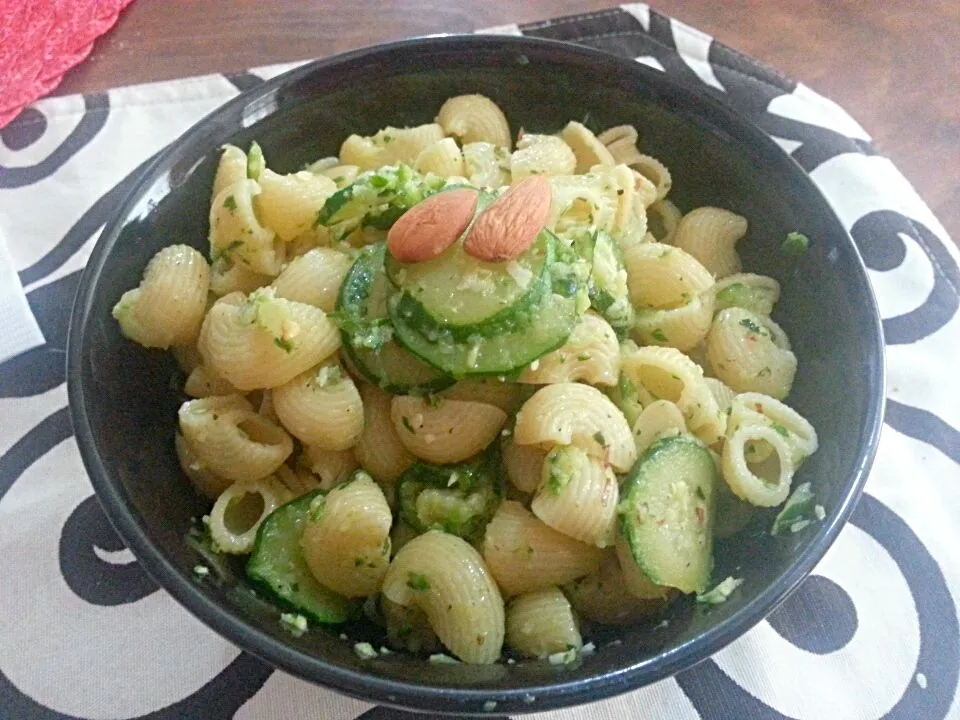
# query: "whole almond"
512,223
430,227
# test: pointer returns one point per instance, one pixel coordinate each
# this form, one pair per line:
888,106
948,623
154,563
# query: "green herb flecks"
255,162
796,244
417,582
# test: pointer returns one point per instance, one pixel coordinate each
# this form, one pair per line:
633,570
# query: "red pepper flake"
700,515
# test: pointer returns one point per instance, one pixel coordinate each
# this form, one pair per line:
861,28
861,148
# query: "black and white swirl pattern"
872,634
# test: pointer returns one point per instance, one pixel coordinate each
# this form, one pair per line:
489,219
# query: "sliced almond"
512,223
430,227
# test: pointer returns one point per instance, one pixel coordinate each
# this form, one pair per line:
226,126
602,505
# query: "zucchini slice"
277,566
367,335
460,295
546,327
458,499
667,513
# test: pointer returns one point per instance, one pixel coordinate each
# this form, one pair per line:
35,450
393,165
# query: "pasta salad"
485,388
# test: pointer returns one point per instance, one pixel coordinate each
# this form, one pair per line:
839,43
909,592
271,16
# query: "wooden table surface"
895,66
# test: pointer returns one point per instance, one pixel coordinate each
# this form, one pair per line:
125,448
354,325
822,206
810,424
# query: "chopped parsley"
598,436
563,658
796,244
780,430
583,357
294,623
329,376
417,582
751,326
230,203
365,651
317,507
255,162
285,345
659,335
798,511
407,425
721,592
441,659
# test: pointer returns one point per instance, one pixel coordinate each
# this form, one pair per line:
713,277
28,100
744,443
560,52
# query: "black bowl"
123,402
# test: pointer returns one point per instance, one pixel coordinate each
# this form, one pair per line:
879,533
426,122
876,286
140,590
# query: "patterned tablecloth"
84,633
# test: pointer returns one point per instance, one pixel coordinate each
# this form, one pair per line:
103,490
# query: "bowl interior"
125,398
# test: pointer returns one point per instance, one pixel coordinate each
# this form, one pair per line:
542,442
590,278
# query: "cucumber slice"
458,499
667,513
366,333
277,566
463,296
548,326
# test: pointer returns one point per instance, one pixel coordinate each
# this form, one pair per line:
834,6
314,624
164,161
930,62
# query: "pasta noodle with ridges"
710,234
443,158
522,464
656,172
757,293
591,354
203,479
167,307
379,449
314,278
577,496
321,407
446,578
232,440
588,150
332,467
621,143
262,341
231,169
662,276
474,118
667,374
288,204
749,353
540,623
445,431
663,218
759,409
346,539
575,414
240,509
766,490
541,155
236,230
659,419
682,327
524,553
